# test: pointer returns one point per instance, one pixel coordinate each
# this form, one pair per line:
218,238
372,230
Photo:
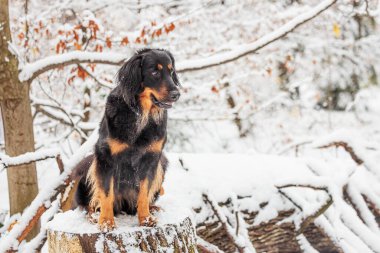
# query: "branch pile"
266,204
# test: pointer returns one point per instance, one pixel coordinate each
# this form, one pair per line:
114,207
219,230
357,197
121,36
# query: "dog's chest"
155,115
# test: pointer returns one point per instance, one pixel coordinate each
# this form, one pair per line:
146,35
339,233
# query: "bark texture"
167,238
17,122
273,236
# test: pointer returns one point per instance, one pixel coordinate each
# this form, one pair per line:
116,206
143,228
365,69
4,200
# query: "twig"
60,163
319,212
237,222
100,82
312,217
223,219
290,199
346,147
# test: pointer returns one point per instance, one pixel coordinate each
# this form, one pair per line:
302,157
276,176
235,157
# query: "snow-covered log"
71,232
274,204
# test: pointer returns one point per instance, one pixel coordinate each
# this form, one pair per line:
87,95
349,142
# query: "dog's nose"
174,95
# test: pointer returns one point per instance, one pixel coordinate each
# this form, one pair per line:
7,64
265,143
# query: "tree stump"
72,232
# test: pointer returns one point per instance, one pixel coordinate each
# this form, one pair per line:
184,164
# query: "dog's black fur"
131,137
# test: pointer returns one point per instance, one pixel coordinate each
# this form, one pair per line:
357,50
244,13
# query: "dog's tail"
81,169
78,174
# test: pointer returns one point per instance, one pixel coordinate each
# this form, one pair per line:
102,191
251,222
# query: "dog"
127,169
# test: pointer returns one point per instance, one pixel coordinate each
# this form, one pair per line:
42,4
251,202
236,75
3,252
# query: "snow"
256,177
245,49
276,111
76,222
29,70
305,245
6,160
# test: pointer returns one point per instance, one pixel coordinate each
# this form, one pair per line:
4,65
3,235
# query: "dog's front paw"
106,224
149,221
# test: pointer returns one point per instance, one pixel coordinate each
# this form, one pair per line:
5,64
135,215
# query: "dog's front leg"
103,196
106,218
143,212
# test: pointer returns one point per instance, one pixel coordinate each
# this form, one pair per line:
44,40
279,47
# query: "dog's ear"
175,76
130,80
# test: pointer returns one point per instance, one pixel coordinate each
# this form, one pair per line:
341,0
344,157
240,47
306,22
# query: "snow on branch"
207,247
347,148
315,215
241,243
352,145
244,50
32,70
61,115
28,157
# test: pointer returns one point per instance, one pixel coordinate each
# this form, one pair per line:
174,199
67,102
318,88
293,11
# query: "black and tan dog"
126,171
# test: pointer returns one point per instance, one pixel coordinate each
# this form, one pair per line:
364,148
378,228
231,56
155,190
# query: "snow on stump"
72,232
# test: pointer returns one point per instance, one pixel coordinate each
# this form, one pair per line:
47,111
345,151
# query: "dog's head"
150,76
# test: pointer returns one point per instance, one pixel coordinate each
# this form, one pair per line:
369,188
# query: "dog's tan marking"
116,146
156,184
146,100
94,186
101,199
156,146
162,191
143,202
148,107
159,66
170,66
106,218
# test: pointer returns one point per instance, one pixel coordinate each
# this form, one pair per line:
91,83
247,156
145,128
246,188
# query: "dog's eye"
156,73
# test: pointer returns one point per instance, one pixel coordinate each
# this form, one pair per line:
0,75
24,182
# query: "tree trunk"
17,121
175,238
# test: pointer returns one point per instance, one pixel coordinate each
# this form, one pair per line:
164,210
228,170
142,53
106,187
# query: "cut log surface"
72,232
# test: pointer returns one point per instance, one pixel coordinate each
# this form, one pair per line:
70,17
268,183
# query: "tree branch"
26,158
347,148
258,44
315,215
235,239
32,70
